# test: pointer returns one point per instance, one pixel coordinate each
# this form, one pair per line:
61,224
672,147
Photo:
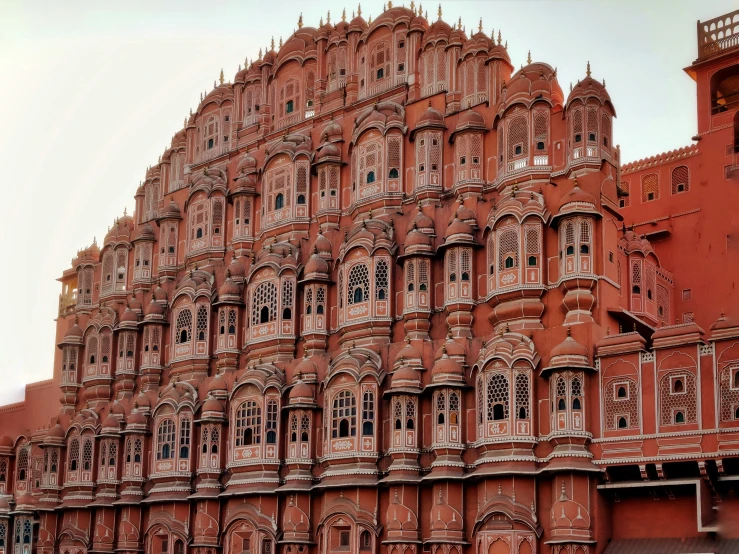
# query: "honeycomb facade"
385,294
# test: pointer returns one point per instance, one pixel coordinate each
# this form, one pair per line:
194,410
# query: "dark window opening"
289,106
199,234
561,404
211,143
622,423
271,437
679,417
532,261
371,177
498,412
287,313
264,315
509,262
344,428
678,386
578,138
540,145
570,250
381,73
393,173
584,249
591,137
518,150
279,202
576,404
301,199
319,309
368,428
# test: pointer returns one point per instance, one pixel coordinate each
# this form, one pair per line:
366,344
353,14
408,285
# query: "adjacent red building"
385,294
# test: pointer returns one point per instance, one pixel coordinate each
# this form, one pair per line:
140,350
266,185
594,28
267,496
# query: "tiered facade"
384,294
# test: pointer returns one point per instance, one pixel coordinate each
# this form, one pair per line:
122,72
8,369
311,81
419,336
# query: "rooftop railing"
718,34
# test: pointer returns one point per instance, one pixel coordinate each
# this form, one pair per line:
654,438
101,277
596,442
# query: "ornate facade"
385,294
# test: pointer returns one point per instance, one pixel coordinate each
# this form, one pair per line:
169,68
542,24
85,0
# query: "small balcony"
718,35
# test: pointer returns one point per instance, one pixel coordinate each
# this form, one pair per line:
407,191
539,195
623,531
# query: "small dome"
136,418
471,119
172,211
301,392
4,505
75,331
588,88
6,441
217,386
111,423
725,322
160,294
144,232
447,370
129,316
422,222
408,353
416,238
569,353
229,288
322,244
452,348
56,432
306,367
247,164
212,405
430,119
236,269
405,377
459,229
332,132
327,150
316,267
154,308
465,214
438,30
116,408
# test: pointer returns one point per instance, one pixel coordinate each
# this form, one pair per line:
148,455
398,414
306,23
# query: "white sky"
93,91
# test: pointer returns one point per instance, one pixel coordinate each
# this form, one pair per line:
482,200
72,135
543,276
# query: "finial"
272,44
459,23
439,11
214,84
260,54
201,99
220,77
587,71
384,7
500,38
359,10
528,60
300,21
389,4
328,17
479,26
280,42
413,7
426,15
343,14
320,22
604,81
506,45
570,86
369,21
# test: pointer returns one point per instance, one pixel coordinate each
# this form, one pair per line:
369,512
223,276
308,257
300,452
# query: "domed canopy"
405,379
469,120
577,201
430,119
128,317
458,232
725,327
111,425
568,354
422,222
172,211
306,370
230,291
447,371
409,354
316,269
73,336
533,83
120,232
590,88
212,408
217,387
301,394
145,233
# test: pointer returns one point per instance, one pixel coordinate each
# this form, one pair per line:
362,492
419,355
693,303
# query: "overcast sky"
93,92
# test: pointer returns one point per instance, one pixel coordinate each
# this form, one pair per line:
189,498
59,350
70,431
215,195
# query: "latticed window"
454,408
620,399
217,221
561,394
394,143
636,277
605,130
678,402
105,346
368,412
649,187
508,248
248,423
576,393
301,183
522,396
108,277
278,186
358,284
202,322
380,60
592,125
288,288
185,428
289,97
518,137
73,456
623,201
199,222
231,322
497,397
84,287
165,440
271,423
540,131
584,237
663,305
264,303
381,280
532,246
210,133
184,326
680,179
344,415
577,127
87,453
729,393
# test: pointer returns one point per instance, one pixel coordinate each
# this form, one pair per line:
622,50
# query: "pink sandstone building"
386,294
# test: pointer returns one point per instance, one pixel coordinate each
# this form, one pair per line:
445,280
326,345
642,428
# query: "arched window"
185,438
264,303
497,397
248,423
678,386
381,280
371,177
279,201
358,285
440,408
368,413
73,456
271,426
393,174
289,106
202,322
679,417
184,326
344,415
365,541
621,392
165,440
622,423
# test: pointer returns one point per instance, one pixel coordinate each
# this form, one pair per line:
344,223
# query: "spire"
389,4
528,60
300,21
343,14
479,26
439,12
587,71
260,55
359,10
220,77
280,42
328,17
499,37
413,7
320,22
272,44
459,24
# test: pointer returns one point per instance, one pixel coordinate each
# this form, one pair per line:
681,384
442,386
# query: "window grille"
680,179
497,397
264,301
368,412
271,423
344,415
522,396
518,135
508,247
248,424
165,440
649,187
358,281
